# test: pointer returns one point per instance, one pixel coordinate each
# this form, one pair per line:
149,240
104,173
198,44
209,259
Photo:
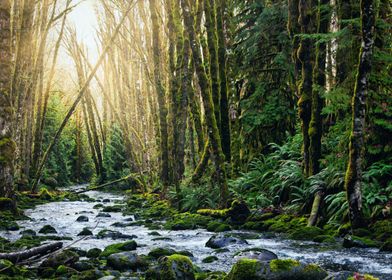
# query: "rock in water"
66,257
82,219
174,267
125,261
47,229
221,240
257,254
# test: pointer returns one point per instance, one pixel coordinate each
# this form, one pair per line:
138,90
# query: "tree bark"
16,257
353,179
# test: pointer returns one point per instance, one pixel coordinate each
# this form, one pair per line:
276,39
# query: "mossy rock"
324,239
94,253
187,220
6,267
210,259
382,230
154,233
6,204
97,206
119,247
124,261
66,257
85,232
259,226
306,233
238,212
214,275
360,242
160,252
174,267
218,226
63,270
47,229
45,194
112,208
246,269
363,277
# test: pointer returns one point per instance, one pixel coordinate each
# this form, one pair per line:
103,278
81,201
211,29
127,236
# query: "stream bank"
159,230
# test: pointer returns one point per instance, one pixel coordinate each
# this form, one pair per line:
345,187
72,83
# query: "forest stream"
62,216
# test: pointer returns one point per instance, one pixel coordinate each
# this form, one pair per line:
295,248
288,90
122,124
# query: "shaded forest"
249,115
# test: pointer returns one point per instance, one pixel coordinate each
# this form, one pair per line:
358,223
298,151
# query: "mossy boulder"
350,241
119,247
47,229
256,254
6,204
82,219
63,270
126,261
66,257
112,208
215,226
306,233
160,252
238,212
28,232
85,232
106,233
210,259
174,267
247,269
187,220
93,253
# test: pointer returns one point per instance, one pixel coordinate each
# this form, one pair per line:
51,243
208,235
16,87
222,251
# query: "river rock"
222,240
82,219
85,232
256,254
174,267
66,257
105,233
119,247
103,215
160,252
93,253
106,200
238,212
350,241
28,232
83,265
47,229
125,261
246,269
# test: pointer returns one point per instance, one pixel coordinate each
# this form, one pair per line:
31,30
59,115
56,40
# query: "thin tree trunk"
353,178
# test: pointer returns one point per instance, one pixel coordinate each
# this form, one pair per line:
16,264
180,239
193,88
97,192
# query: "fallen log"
27,254
133,176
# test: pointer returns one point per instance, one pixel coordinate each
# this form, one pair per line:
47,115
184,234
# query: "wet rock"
246,269
80,252
256,254
119,247
220,241
47,229
210,259
64,270
120,224
238,212
82,219
83,265
91,274
85,232
93,253
105,233
174,267
28,232
160,252
162,239
129,219
110,277
103,215
154,233
351,241
66,257
125,261
113,208
106,200
97,206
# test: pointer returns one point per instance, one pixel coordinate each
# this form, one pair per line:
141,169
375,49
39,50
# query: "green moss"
387,245
112,208
324,239
209,259
283,265
217,226
244,269
7,150
45,194
382,230
119,247
94,253
160,252
187,221
222,214
47,229
176,262
306,233
364,277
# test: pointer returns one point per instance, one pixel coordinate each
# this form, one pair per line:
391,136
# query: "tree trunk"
353,178
7,144
160,91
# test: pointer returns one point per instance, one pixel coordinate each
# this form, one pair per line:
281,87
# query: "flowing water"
62,216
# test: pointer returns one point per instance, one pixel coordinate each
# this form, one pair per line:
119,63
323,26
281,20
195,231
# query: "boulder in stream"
223,240
82,219
103,215
256,254
174,267
85,232
288,269
106,233
125,261
47,229
66,257
93,253
119,247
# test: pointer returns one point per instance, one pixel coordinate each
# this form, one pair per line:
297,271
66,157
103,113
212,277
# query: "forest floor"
109,235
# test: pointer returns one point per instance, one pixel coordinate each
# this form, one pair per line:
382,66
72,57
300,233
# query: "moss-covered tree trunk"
353,178
160,91
213,130
7,144
305,87
315,129
224,98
